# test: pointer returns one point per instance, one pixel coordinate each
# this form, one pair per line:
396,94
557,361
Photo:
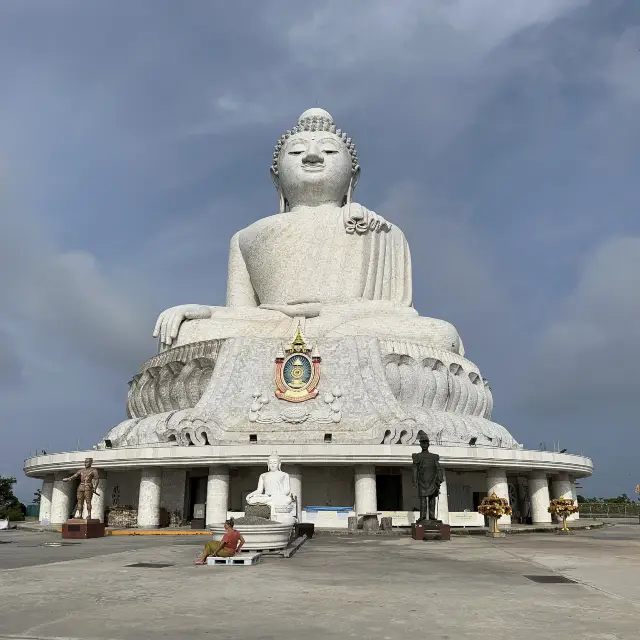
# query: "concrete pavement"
342,587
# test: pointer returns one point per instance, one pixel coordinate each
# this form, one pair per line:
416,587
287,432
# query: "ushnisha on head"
273,463
314,163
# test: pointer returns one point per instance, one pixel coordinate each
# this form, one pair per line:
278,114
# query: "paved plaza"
335,587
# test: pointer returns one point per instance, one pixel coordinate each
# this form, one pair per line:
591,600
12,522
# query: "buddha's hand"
169,321
358,219
293,310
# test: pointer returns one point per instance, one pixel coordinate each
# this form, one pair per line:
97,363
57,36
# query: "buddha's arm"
240,292
287,485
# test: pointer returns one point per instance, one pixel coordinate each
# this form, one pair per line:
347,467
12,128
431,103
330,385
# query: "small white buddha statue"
274,489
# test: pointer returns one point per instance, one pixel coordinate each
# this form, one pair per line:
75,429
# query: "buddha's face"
272,464
314,168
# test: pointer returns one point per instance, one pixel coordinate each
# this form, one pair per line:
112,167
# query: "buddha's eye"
330,151
295,153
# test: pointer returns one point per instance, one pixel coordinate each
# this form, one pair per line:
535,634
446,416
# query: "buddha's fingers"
166,325
156,330
174,327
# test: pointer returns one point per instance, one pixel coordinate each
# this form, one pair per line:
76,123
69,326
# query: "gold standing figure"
87,488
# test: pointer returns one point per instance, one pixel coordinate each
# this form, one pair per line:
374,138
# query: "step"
242,559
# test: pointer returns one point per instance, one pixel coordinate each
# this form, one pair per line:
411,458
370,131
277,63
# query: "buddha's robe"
354,283
309,257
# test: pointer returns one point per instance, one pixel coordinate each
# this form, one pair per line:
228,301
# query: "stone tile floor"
334,587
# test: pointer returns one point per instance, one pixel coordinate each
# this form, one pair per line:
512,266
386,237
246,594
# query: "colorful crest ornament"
297,371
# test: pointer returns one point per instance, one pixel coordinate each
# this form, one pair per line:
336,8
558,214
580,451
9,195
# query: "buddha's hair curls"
315,123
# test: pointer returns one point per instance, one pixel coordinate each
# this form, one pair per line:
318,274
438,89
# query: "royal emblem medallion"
297,371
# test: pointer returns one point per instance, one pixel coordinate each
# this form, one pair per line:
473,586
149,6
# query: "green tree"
10,506
623,499
37,496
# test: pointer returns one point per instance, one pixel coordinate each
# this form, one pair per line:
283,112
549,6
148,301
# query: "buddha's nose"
312,156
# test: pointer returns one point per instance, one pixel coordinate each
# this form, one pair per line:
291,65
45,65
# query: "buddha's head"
273,463
314,163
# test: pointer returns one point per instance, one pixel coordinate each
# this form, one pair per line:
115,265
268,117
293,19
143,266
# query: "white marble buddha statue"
323,259
274,489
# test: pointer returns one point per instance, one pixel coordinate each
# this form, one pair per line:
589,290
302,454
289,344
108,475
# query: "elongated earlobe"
349,193
352,184
282,203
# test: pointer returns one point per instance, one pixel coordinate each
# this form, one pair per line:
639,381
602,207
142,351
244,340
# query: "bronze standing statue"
427,477
87,488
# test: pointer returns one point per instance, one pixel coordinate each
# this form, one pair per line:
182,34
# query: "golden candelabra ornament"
563,507
494,507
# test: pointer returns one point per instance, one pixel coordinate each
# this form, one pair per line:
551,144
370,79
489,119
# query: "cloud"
501,137
586,360
64,297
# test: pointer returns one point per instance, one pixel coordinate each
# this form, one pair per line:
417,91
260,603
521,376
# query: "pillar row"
539,496
62,499
574,495
149,497
560,488
365,489
46,495
295,477
443,501
217,495
497,483
98,502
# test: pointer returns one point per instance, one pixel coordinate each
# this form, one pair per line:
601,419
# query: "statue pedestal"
78,528
430,530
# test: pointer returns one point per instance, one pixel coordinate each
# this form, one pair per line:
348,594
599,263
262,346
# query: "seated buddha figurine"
323,260
274,489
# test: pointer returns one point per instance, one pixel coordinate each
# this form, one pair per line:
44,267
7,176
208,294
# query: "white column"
443,501
62,499
295,477
99,500
539,496
149,497
574,495
497,483
217,495
46,493
561,488
365,481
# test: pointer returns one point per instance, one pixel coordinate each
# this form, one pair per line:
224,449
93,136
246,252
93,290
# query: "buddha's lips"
313,168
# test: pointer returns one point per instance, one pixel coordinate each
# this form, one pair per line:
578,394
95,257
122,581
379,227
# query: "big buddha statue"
338,276
322,257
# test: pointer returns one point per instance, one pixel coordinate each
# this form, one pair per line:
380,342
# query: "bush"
13,514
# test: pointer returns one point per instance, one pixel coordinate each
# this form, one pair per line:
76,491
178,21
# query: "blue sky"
503,138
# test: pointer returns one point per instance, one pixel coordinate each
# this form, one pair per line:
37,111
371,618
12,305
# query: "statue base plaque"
77,528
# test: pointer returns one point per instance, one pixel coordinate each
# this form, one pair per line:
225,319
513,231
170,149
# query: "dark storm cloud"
502,138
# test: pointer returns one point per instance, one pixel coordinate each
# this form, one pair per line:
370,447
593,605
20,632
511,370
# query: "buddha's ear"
355,177
274,178
276,182
352,185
